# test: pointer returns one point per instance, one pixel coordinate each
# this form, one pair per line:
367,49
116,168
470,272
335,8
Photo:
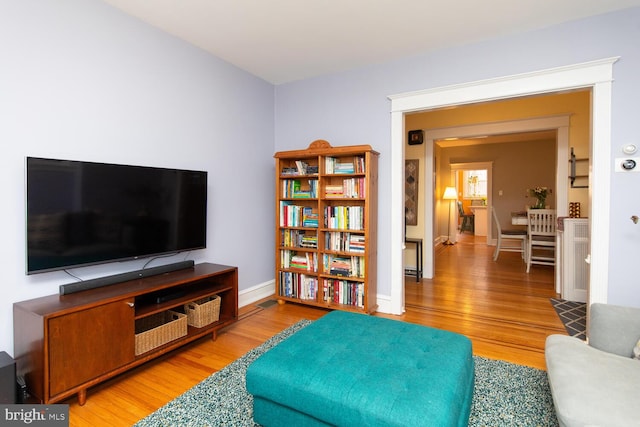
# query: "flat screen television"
84,213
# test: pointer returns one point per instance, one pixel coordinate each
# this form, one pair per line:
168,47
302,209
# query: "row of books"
337,291
292,189
335,165
344,217
297,216
301,261
336,217
301,168
344,242
343,292
352,266
353,188
298,239
297,285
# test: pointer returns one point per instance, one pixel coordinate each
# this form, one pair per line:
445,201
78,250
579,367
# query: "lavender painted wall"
81,80
352,108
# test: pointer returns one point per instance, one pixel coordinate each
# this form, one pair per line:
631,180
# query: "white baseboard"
384,304
256,293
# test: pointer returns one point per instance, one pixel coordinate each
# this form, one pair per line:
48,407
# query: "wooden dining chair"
509,240
541,235
468,220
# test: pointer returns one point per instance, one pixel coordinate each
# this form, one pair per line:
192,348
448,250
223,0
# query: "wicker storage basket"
157,329
203,311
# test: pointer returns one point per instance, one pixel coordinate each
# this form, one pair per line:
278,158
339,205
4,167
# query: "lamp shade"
450,193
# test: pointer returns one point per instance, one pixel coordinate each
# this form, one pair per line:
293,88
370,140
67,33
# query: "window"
474,184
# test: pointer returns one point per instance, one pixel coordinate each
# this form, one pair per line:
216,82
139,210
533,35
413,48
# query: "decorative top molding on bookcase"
319,143
322,147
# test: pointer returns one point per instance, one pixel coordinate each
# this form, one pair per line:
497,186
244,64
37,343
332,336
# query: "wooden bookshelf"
326,226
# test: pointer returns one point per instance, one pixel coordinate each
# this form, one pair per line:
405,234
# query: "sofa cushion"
590,386
614,329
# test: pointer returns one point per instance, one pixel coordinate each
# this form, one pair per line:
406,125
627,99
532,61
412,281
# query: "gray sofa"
597,384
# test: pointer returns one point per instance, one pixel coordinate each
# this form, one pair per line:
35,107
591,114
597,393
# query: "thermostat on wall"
627,164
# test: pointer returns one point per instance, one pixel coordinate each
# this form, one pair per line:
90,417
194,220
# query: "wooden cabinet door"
87,344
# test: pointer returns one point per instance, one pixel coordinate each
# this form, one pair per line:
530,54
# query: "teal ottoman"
351,369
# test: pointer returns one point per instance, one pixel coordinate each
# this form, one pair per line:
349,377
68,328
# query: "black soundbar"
99,282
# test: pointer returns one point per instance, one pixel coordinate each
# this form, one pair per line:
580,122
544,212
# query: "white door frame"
597,75
560,123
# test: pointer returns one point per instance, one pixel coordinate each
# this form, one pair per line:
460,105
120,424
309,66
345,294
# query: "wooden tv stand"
64,344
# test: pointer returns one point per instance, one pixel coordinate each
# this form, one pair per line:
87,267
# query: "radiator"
575,250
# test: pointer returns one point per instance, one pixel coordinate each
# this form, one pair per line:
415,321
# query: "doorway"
473,181
596,75
559,124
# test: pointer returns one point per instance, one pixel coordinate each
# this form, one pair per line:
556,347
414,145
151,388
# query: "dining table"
519,218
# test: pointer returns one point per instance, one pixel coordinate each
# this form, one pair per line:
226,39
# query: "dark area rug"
573,316
505,395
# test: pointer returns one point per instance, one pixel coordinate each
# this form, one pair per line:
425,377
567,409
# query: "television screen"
83,213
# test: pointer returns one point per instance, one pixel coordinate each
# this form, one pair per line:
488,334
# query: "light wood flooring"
502,309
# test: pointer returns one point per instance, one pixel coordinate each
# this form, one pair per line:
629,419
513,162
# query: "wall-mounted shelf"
573,177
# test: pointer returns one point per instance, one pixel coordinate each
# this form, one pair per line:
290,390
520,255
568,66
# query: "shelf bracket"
573,160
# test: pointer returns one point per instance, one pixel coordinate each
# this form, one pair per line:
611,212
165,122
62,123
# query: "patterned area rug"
573,316
505,395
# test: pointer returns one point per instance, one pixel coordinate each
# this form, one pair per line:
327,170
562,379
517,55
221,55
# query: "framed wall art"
411,191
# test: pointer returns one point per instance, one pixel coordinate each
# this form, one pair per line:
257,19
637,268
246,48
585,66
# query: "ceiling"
286,40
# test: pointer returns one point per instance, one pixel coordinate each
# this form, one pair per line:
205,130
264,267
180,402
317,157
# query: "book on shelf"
335,166
307,241
329,163
356,243
335,241
350,188
301,261
310,218
333,191
298,238
293,189
301,168
344,242
297,216
344,217
340,267
297,285
343,168
344,292
352,266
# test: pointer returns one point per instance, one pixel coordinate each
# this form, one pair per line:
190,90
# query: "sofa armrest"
614,329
